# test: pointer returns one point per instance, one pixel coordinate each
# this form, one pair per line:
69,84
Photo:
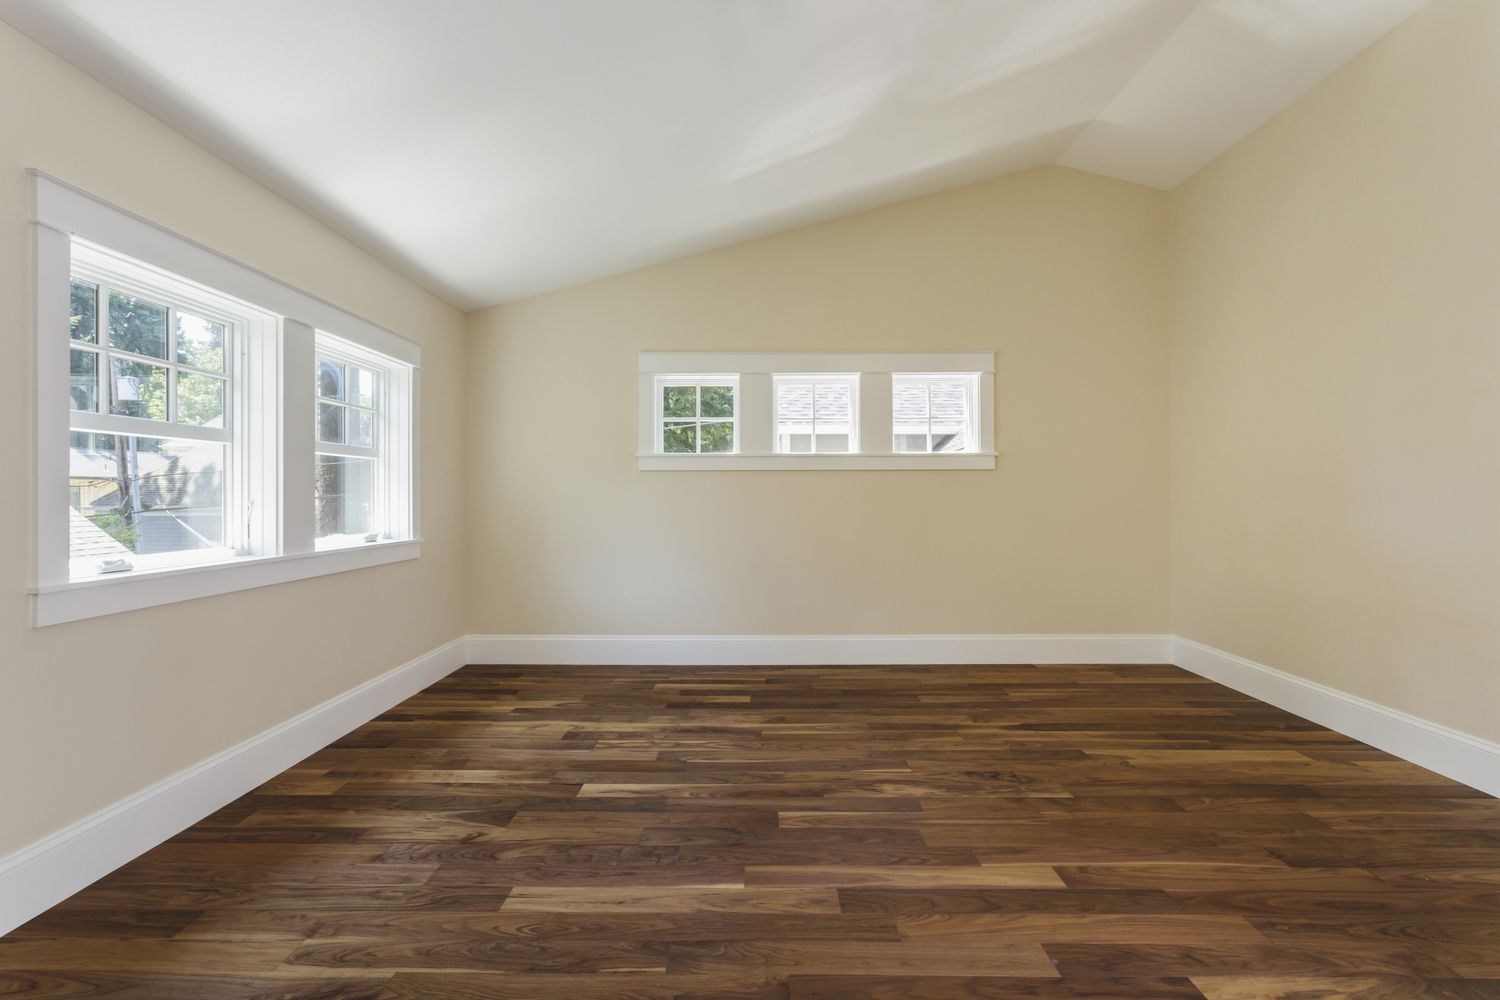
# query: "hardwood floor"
911,833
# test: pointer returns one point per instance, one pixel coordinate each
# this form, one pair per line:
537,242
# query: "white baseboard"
49,871
1468,759
813,650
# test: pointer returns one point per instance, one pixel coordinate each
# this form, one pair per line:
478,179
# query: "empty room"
750,499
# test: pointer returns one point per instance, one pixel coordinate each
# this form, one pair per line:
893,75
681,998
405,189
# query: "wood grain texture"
803,833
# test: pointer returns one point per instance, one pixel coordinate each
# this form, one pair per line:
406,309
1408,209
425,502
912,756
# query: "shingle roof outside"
797,401
909,401
86,540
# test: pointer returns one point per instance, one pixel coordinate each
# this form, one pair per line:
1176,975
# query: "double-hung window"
155,455
358,473
817,414
202,427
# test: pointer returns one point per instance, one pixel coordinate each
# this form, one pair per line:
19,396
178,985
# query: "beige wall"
1060,273
1336,380
93,711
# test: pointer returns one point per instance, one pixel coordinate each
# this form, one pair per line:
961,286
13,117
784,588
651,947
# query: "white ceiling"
496,148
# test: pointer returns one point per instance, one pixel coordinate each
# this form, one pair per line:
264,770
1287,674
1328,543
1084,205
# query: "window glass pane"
361,386
362,428
909,403
137,325
718,401
717,436
794,402
950,416
200,343
200,399
834,404
954,441
137,389
330,380
83,380
83,439
911,439
831,443
794,413
143,496
344,495
679,401
678,438
331,423
83,302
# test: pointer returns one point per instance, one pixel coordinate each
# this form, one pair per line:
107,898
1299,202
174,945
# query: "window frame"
273,356
970,381
698,381
245,531
815,379
391,435
756,409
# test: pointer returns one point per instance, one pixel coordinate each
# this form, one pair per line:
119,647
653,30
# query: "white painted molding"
49,871
813,650
778,462
53,604
1451,753
67,209
808,361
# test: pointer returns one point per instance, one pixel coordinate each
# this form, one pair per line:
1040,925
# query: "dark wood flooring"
902,833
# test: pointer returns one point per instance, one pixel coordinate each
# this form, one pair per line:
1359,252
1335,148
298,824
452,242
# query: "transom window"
806,410
697,414
817,414
933,413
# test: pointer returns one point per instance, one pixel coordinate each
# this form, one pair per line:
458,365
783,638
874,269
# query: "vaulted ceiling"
496,148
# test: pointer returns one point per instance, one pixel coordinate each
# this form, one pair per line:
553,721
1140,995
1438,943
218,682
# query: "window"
202,427
152,446
356,477
816,414
933,413
697,414
803,411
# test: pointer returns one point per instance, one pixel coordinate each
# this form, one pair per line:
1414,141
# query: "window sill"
789,463
111,594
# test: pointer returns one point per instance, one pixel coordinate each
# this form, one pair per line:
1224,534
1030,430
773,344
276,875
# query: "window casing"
696,414
817,414
176,420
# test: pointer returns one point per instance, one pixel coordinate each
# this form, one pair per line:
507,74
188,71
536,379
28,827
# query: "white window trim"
63,213
756,410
